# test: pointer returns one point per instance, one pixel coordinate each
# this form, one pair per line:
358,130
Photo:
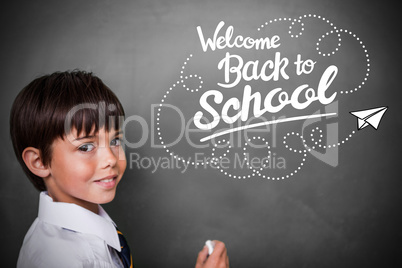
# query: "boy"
66,135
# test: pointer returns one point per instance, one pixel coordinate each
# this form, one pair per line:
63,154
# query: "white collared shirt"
67,235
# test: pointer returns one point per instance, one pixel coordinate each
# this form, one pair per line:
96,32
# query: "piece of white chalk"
210,244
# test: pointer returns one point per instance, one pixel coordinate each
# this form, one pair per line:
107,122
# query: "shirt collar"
78,219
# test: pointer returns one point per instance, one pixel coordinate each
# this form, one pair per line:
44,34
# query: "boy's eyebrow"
117,133
85,137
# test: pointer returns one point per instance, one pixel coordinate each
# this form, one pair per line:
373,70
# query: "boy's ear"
33,161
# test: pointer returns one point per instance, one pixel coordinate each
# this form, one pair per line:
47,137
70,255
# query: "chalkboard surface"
335,212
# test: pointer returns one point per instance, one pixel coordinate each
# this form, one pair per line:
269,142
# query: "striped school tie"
124,254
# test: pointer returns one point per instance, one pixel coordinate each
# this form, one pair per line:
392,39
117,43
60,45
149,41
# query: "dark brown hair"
45,108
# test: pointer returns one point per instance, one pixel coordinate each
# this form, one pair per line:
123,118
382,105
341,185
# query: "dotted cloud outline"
303,152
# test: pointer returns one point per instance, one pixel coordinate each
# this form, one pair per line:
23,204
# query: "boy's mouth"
108,182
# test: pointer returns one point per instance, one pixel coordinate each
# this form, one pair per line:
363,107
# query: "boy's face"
85,170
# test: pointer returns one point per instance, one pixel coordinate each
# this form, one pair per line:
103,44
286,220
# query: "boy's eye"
86,147
115,142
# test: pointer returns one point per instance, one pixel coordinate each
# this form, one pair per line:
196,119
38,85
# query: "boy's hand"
218,258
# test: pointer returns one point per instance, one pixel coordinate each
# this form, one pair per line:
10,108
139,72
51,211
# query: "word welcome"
239,41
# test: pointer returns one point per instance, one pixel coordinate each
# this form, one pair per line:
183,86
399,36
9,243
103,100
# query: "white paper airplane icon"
369,117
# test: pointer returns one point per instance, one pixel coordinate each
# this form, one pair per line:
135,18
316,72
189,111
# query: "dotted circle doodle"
316,133
225,172
214,158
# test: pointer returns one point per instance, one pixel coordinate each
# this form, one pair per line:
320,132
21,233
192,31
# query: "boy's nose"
108,158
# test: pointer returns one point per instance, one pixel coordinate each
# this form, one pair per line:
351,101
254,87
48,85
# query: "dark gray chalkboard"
325,216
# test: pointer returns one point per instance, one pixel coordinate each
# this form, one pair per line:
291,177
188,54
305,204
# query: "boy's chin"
106,198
